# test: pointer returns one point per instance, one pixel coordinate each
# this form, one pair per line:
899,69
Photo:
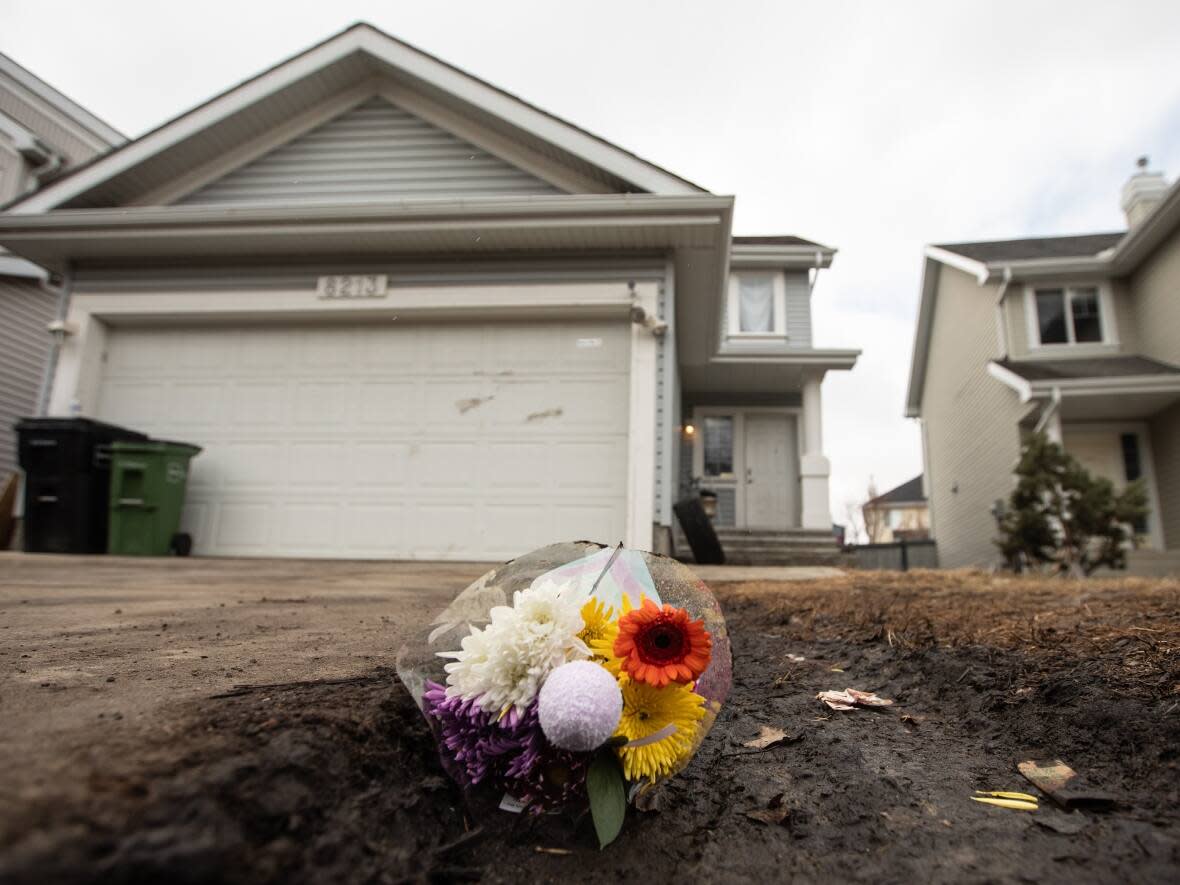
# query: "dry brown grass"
1129,626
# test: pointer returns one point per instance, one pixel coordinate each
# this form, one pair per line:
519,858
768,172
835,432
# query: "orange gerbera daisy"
658,645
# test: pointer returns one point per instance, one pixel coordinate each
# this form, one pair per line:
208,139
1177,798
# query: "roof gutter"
52,239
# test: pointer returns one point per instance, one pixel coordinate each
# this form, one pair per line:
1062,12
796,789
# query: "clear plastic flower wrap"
575,676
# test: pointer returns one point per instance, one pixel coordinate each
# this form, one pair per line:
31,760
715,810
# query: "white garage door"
472,441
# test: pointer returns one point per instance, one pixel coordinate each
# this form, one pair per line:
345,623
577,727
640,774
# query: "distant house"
1075,336
43,135
900,513
410,315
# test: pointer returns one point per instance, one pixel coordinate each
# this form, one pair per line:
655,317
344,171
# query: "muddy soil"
338,781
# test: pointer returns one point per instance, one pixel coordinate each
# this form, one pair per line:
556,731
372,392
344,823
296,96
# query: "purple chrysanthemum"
511,753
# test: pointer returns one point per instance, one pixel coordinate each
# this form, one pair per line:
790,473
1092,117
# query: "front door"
770,454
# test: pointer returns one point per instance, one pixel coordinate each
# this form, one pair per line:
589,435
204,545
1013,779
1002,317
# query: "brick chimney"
1142,193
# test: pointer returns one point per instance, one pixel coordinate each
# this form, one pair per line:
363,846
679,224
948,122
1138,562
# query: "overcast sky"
873,127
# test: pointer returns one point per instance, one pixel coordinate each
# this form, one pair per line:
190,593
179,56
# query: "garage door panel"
133,403
322,405
518,402
428,441
389,405
445,529
379,465
308,526
440,465
242,526
600,468
257,405
515,465
319,465
454,406
244,466
373,529
257,349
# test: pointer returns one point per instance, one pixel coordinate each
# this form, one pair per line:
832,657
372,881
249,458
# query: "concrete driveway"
103,645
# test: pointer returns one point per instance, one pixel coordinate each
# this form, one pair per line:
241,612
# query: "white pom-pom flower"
504,664
579,706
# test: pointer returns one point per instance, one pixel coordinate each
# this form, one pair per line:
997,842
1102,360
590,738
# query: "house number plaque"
374,285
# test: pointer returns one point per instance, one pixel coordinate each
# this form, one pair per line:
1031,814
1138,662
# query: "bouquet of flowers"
576,675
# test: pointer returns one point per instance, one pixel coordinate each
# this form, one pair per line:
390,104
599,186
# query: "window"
1133,470
1069,315
718,441
757,305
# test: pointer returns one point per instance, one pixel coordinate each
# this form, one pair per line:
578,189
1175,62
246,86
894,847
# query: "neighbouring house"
1074,336
42,136
898,514
409,315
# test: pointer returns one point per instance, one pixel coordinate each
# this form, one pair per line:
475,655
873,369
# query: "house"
900,513
1075,336
42,136
409,315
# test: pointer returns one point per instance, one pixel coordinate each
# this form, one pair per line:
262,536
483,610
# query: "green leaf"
608,798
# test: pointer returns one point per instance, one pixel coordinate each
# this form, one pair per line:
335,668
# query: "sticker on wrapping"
627,574
511,803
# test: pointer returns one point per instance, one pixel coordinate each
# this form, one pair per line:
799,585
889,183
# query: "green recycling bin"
147,494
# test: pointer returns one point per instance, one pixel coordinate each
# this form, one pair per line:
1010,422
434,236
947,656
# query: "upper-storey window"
1069,315
757,305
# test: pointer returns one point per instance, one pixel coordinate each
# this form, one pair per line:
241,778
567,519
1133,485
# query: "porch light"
689,430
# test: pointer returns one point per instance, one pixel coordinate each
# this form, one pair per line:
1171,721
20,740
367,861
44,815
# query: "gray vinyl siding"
48,125
971,420
798,304
1156,288
25,311
375,151
14,177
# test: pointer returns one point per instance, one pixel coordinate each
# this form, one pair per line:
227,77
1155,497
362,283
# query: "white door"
452,441
770,459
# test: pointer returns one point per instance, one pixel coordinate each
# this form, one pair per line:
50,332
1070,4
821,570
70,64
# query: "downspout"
58,330
1048,413
1001,325
813,273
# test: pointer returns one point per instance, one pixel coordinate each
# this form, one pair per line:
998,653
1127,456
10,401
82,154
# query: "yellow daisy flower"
648,710
601,630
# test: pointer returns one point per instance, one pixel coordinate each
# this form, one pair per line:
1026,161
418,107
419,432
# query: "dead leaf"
868,699
910,719
775,812
851,698
798,659
768,736
837,700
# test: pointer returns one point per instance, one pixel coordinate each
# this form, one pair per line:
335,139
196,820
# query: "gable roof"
370,152
907,493
1036,247
97,133
358,54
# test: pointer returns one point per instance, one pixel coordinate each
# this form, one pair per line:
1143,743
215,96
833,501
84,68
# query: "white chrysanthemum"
505,663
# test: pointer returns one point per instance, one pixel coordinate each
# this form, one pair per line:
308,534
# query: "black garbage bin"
67,466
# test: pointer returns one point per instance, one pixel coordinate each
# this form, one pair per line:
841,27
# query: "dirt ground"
261,735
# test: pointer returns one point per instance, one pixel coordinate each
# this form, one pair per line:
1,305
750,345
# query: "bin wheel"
182,544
